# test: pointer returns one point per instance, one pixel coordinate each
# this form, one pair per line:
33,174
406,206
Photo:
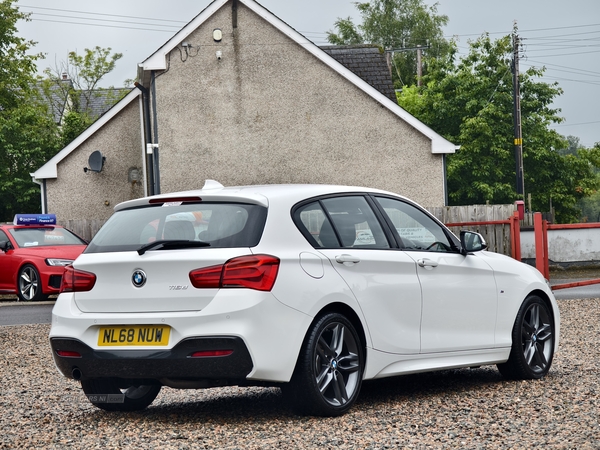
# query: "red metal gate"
541,228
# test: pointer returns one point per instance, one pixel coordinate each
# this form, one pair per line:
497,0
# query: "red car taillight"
211,353
74,280
253,272
68,354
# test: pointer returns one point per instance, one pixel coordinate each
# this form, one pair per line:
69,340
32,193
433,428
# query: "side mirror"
5,246
471,242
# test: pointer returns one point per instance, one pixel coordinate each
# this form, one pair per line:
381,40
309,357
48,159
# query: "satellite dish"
95,161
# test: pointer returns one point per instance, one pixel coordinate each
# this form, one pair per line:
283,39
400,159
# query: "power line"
573,124
564,67
555,36
100,14
312,34
506,33
108,20
573,72
555,78
105,26
571,54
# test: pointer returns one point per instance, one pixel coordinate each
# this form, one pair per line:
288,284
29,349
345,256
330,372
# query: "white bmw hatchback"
311,288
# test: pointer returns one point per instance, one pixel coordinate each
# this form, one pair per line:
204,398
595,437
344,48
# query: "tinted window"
44,237
346,222
311,219
222,225
416,229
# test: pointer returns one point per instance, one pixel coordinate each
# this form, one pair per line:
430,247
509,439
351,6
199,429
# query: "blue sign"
35,219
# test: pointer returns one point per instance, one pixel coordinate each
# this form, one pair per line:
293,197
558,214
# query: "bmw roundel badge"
138,278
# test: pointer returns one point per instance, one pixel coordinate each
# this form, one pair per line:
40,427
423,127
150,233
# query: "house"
239,96
366,61
56,97
61,98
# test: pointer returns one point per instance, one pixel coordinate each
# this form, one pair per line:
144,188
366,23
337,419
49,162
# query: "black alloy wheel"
532,342
330,368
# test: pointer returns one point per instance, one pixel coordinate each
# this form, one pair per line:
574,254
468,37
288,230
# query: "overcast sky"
562,35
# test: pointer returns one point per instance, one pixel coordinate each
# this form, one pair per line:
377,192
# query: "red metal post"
517,235
546,251
538,242
511,224
541,245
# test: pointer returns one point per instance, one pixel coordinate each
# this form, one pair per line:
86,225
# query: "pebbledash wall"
74,193
269,112
271,108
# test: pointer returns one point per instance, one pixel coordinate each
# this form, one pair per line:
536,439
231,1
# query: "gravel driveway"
451,409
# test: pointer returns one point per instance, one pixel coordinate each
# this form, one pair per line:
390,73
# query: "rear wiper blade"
166,244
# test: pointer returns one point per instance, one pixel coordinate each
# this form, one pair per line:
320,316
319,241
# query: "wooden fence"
86,229
497,236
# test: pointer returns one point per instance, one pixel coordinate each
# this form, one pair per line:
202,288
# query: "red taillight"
253,272
74,280
209,277
68,354
209,353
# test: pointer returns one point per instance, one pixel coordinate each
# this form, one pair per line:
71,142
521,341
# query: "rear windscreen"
221,225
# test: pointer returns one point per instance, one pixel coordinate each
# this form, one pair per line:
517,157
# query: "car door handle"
347,259
424,262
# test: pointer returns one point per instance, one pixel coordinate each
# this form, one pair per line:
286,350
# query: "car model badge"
138,278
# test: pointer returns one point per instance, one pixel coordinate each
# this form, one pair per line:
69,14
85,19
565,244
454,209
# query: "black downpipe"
44,197
155,117
148,132
446,196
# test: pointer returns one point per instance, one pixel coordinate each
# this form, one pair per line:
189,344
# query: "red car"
33,253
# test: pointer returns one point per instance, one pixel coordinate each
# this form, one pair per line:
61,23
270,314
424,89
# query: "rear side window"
341,222
222,225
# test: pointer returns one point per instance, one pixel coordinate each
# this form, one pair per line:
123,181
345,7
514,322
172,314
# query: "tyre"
135,397
29,284
328,375
532,348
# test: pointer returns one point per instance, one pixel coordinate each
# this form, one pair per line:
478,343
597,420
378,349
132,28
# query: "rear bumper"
156,364
271,333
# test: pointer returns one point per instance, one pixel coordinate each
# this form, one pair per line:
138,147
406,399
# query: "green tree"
27,132
590,205
574,144
396,24
470,103
75,83
28,138
18,68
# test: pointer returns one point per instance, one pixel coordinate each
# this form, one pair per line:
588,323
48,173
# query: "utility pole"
419,65
419,49
518,138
